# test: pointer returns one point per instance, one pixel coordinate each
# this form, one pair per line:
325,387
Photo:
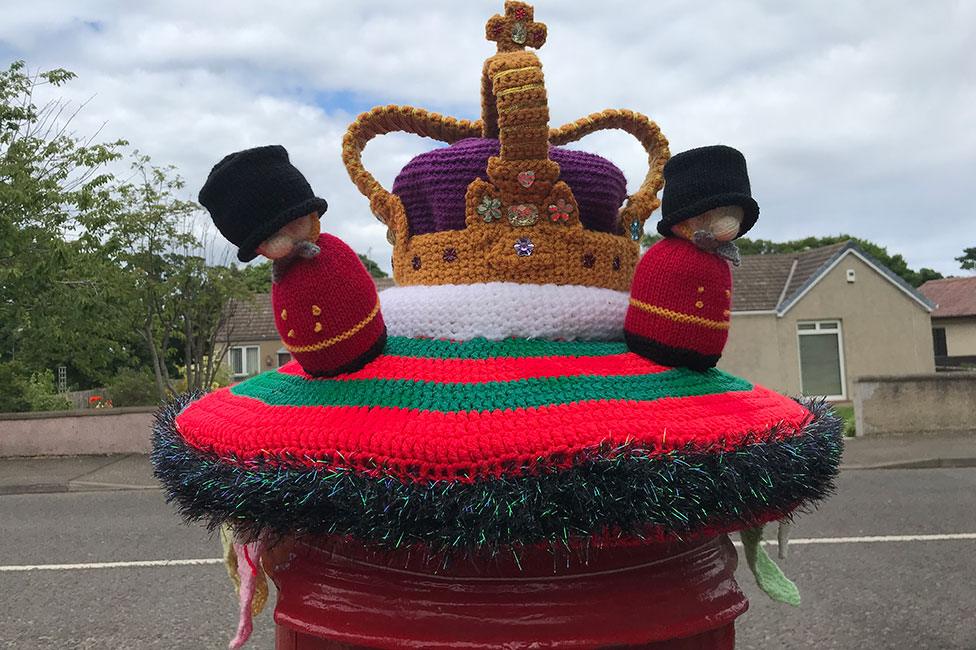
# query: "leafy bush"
21,390
13,379
42,394
131,387
846,412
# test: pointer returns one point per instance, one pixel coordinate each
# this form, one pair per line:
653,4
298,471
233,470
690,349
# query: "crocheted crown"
503,203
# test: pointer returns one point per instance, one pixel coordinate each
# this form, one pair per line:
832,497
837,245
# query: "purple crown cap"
432,185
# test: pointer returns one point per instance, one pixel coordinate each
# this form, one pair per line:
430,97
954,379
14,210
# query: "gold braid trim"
644,201
391,119
679,317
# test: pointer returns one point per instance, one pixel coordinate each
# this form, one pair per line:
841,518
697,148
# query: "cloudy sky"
856,117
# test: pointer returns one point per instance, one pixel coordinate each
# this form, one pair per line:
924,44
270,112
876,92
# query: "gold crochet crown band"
522,224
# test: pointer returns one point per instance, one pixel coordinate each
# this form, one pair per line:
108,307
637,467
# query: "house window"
821,359
245,361
284,356
939,342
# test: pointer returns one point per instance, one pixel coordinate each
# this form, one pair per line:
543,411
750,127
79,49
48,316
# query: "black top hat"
698,180
252,193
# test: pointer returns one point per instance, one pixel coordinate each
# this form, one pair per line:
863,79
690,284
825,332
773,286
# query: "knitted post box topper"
679,305
505,410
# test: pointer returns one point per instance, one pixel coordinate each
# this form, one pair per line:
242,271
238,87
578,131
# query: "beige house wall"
883,330
960,335
753,351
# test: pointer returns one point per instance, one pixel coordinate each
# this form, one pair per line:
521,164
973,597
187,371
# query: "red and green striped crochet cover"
489,443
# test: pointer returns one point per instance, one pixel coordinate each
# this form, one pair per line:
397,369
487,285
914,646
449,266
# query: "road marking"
883,538
110,565
875,539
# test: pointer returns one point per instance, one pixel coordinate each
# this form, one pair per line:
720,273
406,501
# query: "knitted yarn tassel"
770,578
251,576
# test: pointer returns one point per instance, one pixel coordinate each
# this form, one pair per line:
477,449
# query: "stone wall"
64,433
931,403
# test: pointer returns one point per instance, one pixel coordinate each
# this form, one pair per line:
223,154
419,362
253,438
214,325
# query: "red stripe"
479,442
477,371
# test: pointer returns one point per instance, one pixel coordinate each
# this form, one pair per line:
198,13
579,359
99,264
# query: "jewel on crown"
514,187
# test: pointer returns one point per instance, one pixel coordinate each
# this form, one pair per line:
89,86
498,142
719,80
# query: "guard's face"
282,243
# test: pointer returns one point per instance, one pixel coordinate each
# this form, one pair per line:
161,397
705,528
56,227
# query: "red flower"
560,210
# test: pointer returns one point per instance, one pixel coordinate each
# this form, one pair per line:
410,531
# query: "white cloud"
855,117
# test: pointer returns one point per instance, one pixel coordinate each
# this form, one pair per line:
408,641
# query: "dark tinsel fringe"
630,493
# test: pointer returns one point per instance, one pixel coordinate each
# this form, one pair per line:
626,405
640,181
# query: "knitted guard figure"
326,308
681,297
327,311
506,472
679,305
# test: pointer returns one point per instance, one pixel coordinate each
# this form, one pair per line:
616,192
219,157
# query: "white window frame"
243,349
280,352
819,329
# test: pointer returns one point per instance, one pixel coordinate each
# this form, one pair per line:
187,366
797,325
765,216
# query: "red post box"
669,596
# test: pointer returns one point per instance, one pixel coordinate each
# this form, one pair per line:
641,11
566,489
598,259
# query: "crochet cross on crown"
523,223
515,29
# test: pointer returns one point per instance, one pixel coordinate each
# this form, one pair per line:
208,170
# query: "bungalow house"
252,339
953,321
809,323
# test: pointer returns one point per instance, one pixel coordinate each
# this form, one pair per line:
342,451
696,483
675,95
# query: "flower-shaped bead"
524,247
490,208
560,210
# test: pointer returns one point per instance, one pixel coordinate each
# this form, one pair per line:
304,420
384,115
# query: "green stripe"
484,349
290,390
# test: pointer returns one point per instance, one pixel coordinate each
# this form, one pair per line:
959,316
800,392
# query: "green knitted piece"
292,390
769,577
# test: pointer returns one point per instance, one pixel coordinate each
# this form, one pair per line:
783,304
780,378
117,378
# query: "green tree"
95,273
257,277
23,390
967,261
55,199
42,395
132,387
178,302
13,396
373,268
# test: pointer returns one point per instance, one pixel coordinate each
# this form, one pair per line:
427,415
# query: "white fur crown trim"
499,310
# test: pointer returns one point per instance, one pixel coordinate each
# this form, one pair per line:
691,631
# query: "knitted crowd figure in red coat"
681,296
325,301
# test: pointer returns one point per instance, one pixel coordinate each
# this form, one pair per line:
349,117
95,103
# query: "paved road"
907,594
